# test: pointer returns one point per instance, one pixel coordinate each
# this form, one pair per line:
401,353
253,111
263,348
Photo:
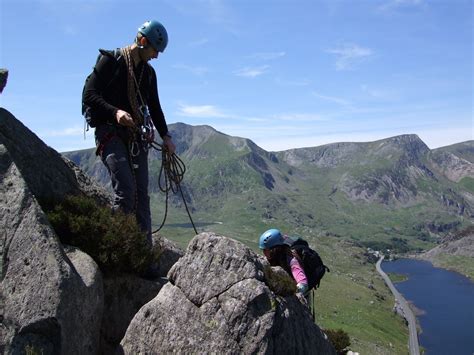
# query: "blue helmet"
156,34
271,238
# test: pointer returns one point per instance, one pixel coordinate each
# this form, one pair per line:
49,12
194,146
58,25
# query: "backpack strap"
86,111
117,55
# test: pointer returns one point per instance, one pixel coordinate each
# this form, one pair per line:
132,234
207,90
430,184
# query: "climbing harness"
103,142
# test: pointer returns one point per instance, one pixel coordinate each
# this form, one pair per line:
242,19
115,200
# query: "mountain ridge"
390,188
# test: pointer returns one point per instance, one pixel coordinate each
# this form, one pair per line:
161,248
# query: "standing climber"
120,100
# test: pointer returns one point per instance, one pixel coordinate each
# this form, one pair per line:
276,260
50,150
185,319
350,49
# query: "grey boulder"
50,304
218,301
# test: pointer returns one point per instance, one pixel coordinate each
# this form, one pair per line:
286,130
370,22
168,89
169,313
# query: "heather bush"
339,339
113,239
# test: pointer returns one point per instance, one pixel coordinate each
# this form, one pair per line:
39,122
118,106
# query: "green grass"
345,301
467,183
397,277
461,264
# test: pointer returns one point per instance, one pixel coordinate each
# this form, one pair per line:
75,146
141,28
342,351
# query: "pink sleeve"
298,272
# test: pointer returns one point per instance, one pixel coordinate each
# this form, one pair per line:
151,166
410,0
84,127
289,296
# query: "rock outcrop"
53,298
123,297
217,301
49,176
3,79
45,295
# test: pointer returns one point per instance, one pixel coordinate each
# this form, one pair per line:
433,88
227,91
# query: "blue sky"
283,73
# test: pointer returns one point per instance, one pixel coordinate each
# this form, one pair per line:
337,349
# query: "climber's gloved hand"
302,288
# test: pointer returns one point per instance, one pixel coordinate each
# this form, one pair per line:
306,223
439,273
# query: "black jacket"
106,90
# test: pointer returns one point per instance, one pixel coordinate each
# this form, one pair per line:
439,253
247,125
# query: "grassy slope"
345,301
461,264
467,183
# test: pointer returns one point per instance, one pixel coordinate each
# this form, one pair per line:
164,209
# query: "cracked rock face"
48,175
50,302
217,301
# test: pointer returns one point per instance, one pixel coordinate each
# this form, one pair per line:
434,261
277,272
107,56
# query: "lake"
447,301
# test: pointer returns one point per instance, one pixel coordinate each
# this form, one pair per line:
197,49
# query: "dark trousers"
129,174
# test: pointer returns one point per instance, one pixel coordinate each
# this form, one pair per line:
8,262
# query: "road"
410,317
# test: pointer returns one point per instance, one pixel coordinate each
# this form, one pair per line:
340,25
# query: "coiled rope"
169,179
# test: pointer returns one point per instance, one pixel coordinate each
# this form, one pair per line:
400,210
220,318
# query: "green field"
397,277
461,264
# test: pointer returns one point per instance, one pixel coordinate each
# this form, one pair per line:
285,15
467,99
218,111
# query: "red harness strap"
103,142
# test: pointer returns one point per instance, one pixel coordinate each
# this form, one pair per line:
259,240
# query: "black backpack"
87,111
313,266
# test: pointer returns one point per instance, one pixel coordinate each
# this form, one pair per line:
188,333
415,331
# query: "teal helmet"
271,238
156,34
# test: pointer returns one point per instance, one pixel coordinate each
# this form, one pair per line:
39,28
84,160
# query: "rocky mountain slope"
392,188
454,252
455,162
459,244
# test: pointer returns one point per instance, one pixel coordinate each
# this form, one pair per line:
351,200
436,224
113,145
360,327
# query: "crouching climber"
297,259
276,249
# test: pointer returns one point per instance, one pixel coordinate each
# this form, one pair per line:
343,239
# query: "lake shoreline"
438,264
445,298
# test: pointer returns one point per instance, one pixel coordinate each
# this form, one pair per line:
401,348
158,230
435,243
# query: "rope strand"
172,167
172,173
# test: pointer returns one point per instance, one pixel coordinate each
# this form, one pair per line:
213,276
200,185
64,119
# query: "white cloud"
396,4
380,94
217,12
252,72
407,2
66,132
199,42
300,117
348,55
301,82
258,119
196,70
267,55
333,99
441,137
70,30
201,111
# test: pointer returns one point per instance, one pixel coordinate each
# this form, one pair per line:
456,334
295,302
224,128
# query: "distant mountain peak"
408,140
